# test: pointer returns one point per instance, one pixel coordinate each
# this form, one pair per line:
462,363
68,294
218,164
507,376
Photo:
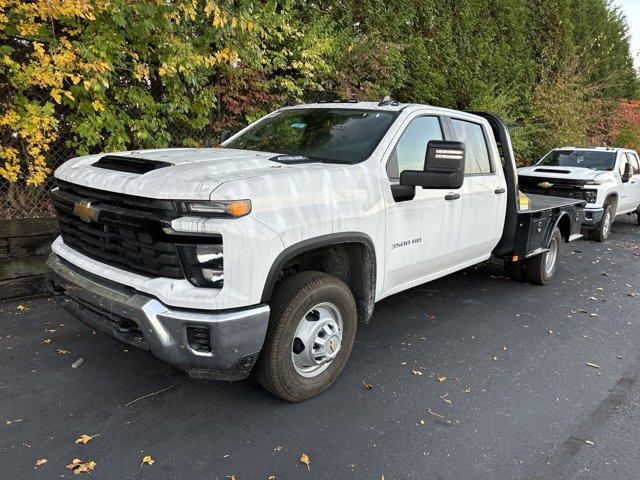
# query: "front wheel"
311,332
541,268
601,231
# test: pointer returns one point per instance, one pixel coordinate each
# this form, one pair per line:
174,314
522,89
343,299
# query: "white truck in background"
263,255
608,179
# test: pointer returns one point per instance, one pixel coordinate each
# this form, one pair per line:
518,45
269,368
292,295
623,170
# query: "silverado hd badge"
85,211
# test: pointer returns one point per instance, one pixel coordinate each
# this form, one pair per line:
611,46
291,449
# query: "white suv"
607,178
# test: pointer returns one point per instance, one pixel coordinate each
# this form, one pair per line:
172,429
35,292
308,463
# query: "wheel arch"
349,256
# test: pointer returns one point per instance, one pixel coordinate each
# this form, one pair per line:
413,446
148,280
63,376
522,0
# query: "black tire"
536,268
514,270
638,216
292,301
601,231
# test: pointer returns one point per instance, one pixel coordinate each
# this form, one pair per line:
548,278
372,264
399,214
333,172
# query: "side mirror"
627,172
224,135
443,167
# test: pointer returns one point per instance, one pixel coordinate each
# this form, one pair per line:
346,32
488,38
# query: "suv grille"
557,188
125,233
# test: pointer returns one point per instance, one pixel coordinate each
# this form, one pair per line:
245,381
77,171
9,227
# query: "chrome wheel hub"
317,340
552,257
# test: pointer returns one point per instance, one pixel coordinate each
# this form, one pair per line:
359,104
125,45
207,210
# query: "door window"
633,160
411,149
477,159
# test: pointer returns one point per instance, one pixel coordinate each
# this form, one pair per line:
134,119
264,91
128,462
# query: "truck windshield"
579,158
322,134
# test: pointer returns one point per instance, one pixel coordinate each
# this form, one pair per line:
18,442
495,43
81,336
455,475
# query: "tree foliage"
116,74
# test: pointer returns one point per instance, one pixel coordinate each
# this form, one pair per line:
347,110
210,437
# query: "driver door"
422,232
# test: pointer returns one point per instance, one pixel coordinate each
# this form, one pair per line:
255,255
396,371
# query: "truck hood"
569,173
191,173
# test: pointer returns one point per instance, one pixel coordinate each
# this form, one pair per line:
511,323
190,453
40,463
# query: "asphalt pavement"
472,376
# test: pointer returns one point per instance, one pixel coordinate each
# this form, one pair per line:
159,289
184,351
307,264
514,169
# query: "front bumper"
592,217
235,336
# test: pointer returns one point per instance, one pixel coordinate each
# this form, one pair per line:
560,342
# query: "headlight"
598,181
203,265
217,208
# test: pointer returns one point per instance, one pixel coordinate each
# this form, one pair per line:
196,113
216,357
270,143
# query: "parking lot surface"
472,376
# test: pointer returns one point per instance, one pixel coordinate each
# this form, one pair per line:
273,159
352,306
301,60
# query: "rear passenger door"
484,195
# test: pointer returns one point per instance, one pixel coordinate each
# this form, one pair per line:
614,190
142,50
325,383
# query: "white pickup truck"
607,178
263,255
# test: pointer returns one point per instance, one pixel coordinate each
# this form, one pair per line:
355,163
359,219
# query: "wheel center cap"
332,347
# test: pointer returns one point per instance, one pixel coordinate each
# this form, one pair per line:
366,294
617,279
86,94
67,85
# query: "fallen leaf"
46,341
467,390
504,348
231,477
22,308
550,332
434,414
84,439
494,358
367,386
304,458
148,459
422,422
60,351
594,365
78,467
589,442
417,372
41,461
441,379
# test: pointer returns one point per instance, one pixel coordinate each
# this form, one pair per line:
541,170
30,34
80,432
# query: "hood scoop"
128,164
551,170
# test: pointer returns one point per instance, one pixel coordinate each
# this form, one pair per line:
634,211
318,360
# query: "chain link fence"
19,200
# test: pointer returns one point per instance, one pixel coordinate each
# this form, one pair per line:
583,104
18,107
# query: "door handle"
500,190
452,196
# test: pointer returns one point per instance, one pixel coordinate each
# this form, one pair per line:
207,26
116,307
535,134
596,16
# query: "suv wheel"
310,336
601,232
541,268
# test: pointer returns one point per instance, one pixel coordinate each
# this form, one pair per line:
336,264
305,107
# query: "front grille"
127,232
558,187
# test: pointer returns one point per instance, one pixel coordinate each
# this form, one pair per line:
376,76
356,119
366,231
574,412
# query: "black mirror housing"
443,167
224,135
627,172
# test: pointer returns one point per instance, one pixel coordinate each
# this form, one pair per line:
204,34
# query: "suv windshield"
580,158
323,134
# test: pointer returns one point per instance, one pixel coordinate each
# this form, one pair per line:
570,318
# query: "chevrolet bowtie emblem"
85,211
545,184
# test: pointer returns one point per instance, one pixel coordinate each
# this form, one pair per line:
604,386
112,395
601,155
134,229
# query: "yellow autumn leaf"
304,458
234,22
84,439
46,341
41,461
55,93
441,379
69,95
162,71
60,351
78,467
148,459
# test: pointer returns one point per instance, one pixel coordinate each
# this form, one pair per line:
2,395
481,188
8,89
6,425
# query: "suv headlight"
217,208
203,265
